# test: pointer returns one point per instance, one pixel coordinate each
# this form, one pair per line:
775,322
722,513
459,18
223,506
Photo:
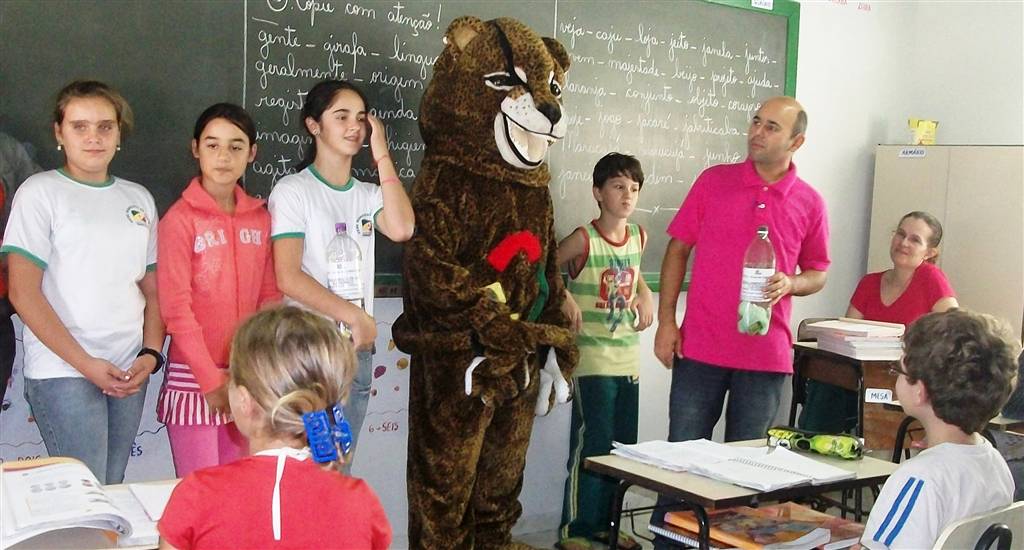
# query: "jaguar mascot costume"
483,293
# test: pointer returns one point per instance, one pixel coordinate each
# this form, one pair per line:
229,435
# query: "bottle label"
754,281
344,279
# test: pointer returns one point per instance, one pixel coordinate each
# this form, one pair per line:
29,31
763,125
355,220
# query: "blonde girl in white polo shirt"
81,246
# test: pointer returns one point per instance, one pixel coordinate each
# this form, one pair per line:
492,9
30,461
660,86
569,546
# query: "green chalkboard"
672,82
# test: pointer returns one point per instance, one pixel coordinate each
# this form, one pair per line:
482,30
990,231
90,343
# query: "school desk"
876,423
703,493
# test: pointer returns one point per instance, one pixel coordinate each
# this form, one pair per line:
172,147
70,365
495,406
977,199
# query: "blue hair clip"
327,432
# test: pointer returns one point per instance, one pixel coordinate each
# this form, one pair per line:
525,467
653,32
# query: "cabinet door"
983,246
904,184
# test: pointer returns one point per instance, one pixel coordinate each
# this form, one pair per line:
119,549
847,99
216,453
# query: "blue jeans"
695,404
77,420
698,393
359,394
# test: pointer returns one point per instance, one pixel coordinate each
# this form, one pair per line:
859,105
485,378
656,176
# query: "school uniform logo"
364,225
137,216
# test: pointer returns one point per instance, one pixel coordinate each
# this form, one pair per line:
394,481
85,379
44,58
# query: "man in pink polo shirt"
718,219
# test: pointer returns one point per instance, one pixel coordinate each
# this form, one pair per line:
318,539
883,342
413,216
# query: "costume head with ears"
495,99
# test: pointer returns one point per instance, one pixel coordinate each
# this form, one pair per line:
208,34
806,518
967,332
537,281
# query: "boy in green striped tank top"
609,304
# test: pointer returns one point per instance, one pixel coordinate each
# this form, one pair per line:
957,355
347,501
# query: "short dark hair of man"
800,124
967,362
617,164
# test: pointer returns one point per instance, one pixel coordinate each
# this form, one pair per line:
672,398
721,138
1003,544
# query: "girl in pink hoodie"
215,270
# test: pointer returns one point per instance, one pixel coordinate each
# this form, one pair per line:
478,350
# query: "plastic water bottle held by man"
755,311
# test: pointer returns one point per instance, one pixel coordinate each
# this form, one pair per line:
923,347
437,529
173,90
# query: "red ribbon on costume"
523,241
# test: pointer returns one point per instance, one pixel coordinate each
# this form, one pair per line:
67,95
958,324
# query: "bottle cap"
340,227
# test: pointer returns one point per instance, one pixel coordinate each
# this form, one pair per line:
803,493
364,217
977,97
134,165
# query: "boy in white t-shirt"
957,371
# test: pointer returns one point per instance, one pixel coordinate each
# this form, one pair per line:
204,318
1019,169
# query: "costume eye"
556,90
499,81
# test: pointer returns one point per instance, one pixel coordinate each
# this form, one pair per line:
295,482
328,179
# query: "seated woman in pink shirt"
913,287
215,270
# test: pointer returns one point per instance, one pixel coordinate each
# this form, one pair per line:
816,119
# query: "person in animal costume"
482,298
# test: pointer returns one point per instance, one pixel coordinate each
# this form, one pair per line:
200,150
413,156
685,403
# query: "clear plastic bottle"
755,311
344,269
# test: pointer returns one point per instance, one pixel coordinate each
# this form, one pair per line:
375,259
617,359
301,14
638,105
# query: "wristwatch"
160,360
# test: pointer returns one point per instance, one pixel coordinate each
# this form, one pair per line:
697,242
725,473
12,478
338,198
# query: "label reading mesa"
877,395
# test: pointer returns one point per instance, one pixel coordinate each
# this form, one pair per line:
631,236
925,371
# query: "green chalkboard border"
790,9
390,284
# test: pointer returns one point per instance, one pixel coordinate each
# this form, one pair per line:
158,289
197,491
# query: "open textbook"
761,468
46,495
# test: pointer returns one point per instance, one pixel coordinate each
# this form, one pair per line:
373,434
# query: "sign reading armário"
913,152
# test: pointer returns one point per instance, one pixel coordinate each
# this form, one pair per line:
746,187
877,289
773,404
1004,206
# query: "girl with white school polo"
305,208
81,247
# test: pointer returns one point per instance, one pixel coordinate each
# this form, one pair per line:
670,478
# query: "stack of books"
860,339
785,526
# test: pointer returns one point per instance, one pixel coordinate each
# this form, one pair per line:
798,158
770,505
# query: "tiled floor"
547,539
635,498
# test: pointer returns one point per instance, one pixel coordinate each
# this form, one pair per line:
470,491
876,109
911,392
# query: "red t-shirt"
229,506
927,286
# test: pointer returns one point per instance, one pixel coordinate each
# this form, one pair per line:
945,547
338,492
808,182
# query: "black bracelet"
156,355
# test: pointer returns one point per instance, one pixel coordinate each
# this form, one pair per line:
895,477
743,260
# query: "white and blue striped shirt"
941,485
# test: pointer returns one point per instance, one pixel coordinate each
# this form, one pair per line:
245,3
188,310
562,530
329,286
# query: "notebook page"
153,496
752,474
818,472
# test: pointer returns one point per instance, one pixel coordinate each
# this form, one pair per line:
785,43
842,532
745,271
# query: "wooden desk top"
713,494
1004,423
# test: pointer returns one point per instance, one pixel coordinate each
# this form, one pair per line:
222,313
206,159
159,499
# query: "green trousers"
604,409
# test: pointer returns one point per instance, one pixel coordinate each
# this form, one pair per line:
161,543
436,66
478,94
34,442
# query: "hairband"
327,430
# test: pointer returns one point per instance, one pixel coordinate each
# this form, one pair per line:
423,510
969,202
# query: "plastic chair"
1002,526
